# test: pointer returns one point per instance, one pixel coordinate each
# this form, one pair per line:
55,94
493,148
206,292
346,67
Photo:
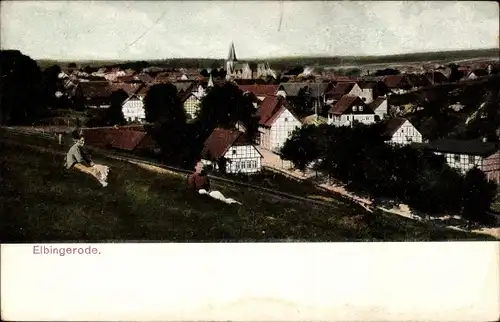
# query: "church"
245,70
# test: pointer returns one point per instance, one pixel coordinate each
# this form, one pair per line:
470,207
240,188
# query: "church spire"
232,53
210,81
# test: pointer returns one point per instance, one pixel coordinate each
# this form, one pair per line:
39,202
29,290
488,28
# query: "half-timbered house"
400,131
276,122
231,148
463,155
348,110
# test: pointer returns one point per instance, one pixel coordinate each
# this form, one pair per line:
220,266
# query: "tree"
162,102
50,85
386,72
224,106
204,73
455,74
164,108
302,147
114,114
304,103
20,88
353,72
478,194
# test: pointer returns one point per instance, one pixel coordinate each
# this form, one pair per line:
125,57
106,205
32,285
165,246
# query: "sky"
132,30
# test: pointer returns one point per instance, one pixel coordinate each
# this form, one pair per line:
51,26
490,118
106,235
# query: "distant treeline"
281,63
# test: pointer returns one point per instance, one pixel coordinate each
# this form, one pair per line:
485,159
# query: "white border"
448,281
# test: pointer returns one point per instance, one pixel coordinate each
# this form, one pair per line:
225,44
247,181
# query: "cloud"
106,29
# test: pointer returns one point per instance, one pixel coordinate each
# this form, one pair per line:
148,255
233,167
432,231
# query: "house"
93,94
276,122
234,149
401,131
349,109
133,109
339,90
398,84
133,106
463,155
191,100
380,106
367,91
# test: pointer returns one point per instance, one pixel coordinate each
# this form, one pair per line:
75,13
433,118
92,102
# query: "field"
44,202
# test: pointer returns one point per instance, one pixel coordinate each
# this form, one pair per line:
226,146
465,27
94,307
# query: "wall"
282,128
243,159
134,109
407,134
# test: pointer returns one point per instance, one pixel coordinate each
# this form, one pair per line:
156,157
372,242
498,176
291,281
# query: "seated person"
199,179
77,158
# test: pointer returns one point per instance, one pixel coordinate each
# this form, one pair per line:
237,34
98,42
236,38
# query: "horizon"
145,30
268,58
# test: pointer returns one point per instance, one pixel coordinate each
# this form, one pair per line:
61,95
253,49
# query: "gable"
283,114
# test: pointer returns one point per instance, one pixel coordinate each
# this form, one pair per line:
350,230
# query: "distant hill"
286,62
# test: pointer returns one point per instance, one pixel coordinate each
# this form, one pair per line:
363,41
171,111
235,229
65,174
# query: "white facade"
382,110
406,134
367,95
462,162
241,159
192,103
133,109
192,106
355,91
280,130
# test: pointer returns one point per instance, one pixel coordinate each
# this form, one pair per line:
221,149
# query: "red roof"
343,87
129,88
121,138
219,142
395,81
345,103
269,109
260,90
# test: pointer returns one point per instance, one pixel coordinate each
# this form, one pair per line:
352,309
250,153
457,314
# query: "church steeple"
232,53
210,81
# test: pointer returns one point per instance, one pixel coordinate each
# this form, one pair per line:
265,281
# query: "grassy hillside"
44,202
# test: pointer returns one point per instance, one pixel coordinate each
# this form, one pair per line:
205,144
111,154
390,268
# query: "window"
237,165
234,151
249,164
456,157
471,159
286,119
354,108
361,108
